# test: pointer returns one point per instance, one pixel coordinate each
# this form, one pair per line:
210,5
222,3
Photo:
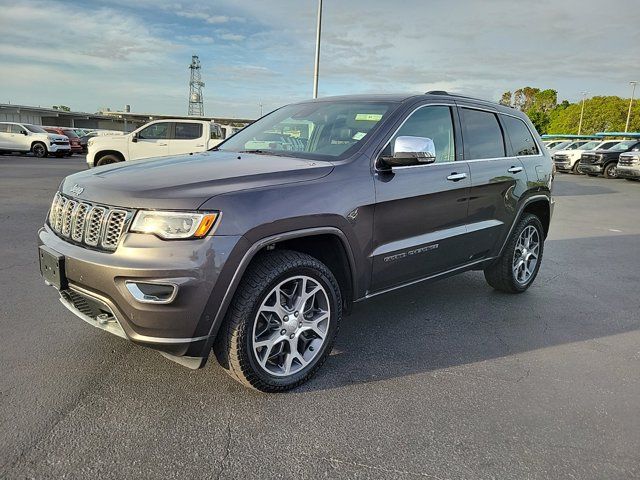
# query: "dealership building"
124,121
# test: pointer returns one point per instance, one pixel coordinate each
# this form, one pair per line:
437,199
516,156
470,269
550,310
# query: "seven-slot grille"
82,222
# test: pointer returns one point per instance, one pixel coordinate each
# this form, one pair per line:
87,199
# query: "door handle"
456,177
162,144
515,170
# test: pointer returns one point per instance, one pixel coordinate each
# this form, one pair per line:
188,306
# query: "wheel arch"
102,153
538,205
299,240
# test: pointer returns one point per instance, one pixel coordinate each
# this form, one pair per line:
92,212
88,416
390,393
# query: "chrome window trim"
375,159
456,105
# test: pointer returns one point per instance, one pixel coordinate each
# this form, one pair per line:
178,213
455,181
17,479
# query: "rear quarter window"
522,142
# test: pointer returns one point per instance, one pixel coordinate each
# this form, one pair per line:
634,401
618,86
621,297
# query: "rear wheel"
519,264
611,170
282,322
39,150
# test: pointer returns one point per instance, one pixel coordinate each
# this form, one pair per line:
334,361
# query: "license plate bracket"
52,267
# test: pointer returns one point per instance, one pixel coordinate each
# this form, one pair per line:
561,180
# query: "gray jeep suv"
255,249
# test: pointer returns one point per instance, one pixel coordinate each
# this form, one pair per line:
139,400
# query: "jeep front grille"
96,226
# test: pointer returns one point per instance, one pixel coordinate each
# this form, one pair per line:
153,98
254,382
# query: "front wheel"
611,171
39,150
519,264
282,322
576,168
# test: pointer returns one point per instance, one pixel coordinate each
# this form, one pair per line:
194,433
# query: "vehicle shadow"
461,320
563,188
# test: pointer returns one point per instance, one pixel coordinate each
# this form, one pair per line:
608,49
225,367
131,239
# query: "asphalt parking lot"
446,380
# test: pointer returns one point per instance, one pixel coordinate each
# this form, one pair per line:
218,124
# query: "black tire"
576,168
39,150
500,273
234,343
610,170
107,160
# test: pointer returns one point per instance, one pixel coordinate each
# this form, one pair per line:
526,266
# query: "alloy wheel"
525,257
38,151
291,326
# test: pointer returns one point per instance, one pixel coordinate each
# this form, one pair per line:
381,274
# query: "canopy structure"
618,134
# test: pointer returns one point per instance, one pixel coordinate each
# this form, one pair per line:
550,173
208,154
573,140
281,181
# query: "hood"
55,137
187,181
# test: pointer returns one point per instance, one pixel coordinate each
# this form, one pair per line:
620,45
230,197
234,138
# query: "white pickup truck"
155,139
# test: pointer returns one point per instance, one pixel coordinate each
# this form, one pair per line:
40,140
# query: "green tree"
537,104
601,114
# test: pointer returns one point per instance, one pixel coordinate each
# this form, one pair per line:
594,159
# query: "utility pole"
584,96
316,70
260,108
633,91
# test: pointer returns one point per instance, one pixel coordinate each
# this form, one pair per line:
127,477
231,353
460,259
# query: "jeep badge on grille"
77,190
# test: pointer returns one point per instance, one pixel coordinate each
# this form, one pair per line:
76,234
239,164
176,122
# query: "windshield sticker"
369,117
359,136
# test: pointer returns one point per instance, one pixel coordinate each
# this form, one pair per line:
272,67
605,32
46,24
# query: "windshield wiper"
265,152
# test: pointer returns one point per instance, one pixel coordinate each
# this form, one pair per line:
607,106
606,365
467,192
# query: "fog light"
147,292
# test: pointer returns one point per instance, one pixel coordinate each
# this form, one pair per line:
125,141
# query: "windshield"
622,145
575,145
70,133
34,128
590,145
560,146
319,130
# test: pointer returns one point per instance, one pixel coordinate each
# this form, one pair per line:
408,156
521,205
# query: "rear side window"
481,134
188,131
522,142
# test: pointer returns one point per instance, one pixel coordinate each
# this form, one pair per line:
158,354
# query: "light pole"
316,69
584,96
633,91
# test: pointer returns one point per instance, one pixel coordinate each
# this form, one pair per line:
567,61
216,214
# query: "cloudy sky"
89,54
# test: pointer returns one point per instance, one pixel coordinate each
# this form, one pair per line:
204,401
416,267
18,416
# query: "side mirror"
134,137
408,151
25,133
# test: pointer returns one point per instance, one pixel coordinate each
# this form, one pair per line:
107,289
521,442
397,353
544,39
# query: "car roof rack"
437,92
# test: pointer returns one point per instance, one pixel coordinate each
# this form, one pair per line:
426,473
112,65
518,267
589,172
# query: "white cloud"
231,37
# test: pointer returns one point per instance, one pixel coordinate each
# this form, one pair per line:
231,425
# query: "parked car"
257,253
156,139
629,166
568,160
74,140
553,143
606,161
24,137
84,140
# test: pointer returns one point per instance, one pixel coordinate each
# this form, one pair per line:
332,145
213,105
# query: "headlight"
174,225
90,142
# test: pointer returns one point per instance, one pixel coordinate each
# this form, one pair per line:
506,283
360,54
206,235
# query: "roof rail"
437,92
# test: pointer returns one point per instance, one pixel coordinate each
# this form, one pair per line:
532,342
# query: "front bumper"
563,165
624,171
54,148
181,327
590,168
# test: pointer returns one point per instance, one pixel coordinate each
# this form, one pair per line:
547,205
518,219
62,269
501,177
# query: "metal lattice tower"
196,101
